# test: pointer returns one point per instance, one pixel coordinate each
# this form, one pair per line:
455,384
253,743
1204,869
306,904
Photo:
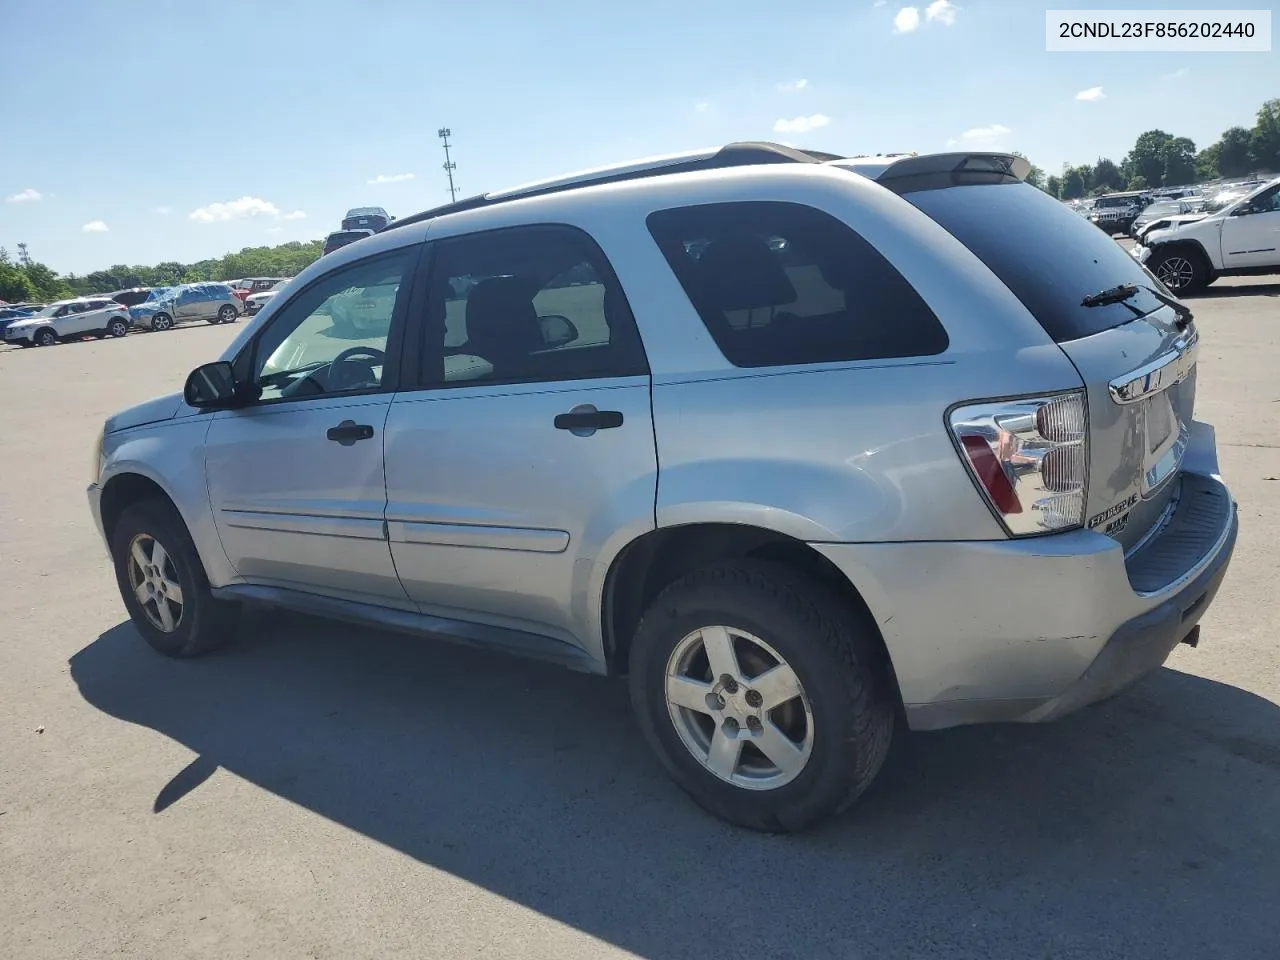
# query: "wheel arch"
659,557
1190,244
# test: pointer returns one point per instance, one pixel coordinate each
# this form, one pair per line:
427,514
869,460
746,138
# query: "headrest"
501,316
740,272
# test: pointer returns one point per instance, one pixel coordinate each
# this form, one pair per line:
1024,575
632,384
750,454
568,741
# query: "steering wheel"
373,353
339,373
327,382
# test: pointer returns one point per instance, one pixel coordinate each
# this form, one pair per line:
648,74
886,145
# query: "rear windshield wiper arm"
1185,316
1125,291
1114,295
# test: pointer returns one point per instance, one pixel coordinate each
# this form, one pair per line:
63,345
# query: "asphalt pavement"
322,791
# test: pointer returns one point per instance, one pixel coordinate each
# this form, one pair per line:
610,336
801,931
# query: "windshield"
1049,258
48,311
1162,208
1222,201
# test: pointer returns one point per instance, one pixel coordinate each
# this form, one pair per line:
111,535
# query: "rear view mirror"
210,385
557,330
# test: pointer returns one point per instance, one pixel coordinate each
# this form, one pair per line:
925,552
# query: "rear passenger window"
783,283
525,304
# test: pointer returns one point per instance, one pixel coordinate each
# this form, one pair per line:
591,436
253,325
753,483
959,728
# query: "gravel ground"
326,792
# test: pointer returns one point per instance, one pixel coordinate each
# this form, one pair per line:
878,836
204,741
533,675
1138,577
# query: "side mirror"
1242,211
210,385
557,330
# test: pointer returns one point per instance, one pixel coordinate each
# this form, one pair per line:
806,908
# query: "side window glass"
527,304
782,283
332,337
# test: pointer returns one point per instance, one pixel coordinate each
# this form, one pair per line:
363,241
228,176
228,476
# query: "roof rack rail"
738,154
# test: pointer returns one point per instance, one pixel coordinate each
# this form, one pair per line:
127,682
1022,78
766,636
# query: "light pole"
444,133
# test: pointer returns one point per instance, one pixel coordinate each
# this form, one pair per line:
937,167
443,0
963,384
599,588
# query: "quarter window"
783,283
333,337
527,304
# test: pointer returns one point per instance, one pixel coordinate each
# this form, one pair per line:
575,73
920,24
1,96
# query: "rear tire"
46,337
117,328
227,314
161,321
840,721
167,593
1181,269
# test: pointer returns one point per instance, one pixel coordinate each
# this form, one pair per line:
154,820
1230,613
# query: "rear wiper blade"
1185,316
1115,295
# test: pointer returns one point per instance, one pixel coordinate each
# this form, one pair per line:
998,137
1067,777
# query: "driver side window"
332,337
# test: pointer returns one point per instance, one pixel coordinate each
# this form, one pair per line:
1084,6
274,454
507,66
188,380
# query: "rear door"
528,448
1137,363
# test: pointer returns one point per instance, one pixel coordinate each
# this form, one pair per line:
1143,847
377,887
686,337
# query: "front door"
526,456
1252,238
296,478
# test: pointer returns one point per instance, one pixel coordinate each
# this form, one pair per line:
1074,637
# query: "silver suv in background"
166,307
808,447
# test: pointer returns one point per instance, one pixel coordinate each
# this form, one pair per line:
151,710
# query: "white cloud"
880,3
24,195
953,142
906,20
234,210
993,132
1093,93
702,106
1176,75
791,86
94,226
801,124
942,11
391,178
296,215
163,211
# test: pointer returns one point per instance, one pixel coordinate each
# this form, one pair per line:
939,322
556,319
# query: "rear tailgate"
1137,364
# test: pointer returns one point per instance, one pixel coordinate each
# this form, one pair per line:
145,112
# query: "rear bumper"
1030,630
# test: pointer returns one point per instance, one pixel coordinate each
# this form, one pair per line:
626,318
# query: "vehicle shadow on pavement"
1224,290
1148,826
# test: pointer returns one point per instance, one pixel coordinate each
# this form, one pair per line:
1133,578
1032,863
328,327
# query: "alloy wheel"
739,708
154,579
1175,272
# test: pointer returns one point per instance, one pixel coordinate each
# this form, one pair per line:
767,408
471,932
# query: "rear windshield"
1048,256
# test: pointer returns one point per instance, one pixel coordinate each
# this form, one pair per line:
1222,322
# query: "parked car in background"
366,218
1240,239
72,319
340,238
795,466
167,306
1159,212
16,311
250,285
256,301
1115,212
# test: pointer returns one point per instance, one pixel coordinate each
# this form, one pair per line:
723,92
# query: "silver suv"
809,447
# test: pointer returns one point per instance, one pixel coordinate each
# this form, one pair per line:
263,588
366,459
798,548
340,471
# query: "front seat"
503,325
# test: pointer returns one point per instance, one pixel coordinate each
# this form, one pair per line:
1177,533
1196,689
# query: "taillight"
1028,457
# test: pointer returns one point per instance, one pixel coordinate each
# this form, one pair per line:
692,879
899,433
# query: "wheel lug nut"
730,726
730,685
754,724
715,701
754,699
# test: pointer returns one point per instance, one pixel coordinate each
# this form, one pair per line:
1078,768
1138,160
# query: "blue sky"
144,131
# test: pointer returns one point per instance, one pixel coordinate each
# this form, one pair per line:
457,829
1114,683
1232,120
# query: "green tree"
48,285
15,285
1266,137
1107,174
1053,186
1138,183
1179,162
1235,152
1146,159
1207,163
1072,184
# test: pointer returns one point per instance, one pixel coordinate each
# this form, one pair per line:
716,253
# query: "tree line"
26,280
1159,159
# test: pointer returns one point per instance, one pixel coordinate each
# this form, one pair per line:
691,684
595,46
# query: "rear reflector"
1028,457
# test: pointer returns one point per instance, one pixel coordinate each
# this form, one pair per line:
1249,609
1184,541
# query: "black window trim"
244,361
413,375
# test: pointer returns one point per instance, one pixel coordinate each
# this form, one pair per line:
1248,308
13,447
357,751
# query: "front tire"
764,696
227,314
163,583
1182,270
46,337
161,321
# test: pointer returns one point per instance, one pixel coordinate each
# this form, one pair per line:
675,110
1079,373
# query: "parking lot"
319,791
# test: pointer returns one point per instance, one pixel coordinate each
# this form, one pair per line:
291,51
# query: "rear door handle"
585,420
348,432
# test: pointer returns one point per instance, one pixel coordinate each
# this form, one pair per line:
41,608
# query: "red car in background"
242,288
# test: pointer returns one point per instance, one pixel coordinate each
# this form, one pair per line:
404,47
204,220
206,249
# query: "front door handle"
585,420
348,432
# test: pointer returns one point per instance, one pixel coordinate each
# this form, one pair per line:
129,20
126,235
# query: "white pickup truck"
1240,239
